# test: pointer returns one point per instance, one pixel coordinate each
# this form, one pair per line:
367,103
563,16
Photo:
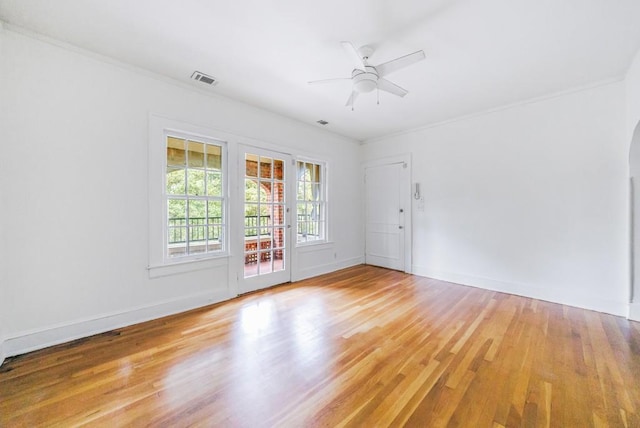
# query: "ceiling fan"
367,77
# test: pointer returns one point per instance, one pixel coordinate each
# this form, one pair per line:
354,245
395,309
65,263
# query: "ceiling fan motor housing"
365,81
365,52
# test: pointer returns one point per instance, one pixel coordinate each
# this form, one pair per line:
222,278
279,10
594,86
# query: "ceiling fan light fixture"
365,82
365,86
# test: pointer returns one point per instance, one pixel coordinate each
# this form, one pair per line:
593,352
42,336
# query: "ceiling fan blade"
338,79
392,88
352,99
398,63
353,54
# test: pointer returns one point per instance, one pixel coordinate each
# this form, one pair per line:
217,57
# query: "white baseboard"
28,341
634,311
3,354
33,340
595,303
328,268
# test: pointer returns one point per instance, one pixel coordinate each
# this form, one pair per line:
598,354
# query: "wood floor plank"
362,346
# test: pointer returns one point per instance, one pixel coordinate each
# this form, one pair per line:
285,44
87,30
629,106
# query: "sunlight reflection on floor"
257,317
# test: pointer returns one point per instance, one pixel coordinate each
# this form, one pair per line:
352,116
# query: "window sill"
314,246
184,266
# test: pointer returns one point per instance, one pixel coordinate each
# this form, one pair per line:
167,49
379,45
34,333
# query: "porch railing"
307,226
202,228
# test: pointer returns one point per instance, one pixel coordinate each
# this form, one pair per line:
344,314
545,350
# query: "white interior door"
385,215
267,225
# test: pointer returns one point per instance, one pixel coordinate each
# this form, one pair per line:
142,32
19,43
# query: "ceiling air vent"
201,77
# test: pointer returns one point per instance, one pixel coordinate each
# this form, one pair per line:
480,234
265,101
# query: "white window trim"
324,184
159,128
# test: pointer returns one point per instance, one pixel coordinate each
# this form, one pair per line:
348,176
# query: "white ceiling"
481,54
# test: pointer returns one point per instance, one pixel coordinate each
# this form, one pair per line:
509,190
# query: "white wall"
632,83
531,199
3,181
76,137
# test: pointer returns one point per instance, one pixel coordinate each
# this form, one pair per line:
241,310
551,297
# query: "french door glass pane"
278,237
278,215
266,166
251,165
250,265
278,169
278,260
278,192
266,262
265,196
264,215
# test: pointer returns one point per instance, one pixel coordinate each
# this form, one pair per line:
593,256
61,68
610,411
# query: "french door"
266,210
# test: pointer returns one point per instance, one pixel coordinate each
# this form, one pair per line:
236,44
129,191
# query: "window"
311,202
195,202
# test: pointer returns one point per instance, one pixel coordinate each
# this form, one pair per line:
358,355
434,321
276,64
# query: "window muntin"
310,202
195,202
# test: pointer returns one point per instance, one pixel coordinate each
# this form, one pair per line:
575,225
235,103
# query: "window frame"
322,201
223,198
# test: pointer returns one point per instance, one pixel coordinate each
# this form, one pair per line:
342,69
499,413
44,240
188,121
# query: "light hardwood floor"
360,347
